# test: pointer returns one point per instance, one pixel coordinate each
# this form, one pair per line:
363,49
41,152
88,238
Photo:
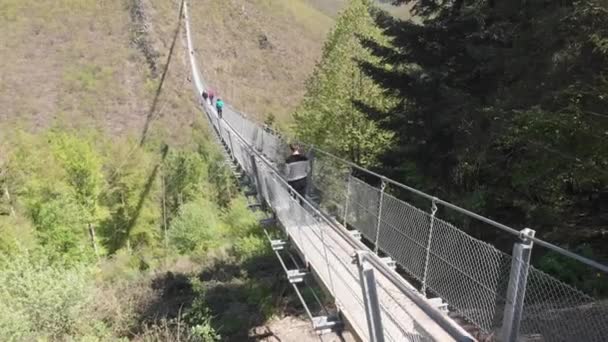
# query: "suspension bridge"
397,271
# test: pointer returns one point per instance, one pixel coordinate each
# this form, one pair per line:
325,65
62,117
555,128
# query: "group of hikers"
209,96
297,165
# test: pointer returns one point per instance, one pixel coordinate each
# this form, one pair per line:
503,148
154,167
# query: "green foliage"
185,176
40,300
330,115
239,218
15,233
198,316
576,274
68,185
502,109
251,246
270,120
197,227
132,196
82,165
50,183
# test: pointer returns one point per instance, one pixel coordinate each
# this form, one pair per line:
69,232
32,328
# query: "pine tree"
503,108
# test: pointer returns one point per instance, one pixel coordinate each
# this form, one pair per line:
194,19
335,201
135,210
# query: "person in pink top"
211,96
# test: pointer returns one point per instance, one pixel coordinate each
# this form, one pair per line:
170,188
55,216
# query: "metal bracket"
325,324
439,304
525,235
254,206
296,276
390,262
268,222
278,245
251,193
356,234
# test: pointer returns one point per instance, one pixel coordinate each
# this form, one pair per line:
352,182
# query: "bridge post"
231,145
516,292
370,297
311,161
219,129
345,212
256,181
428,245
378,223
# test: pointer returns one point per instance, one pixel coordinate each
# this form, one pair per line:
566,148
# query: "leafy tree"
83,169
196,228
328,116
135,214
185,179
42,186
40,299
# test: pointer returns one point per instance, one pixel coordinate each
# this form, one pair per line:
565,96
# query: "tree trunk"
10,203
93,240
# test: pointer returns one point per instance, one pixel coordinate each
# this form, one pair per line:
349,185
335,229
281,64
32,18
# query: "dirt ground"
295,329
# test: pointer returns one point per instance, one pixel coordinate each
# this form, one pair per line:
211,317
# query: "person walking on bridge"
297,168
211,96
219,105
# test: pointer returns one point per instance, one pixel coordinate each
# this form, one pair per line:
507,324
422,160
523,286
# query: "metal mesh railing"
470,275
475,278
556,311
331,257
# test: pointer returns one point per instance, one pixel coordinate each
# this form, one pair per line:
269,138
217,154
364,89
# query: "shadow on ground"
239,296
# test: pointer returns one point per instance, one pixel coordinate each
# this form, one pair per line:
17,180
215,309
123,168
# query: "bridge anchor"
278,245
326,324
296,276
268,222
389,262
439,304
356,234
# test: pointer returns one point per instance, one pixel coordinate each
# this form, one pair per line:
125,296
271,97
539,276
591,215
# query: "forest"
496,106
107,239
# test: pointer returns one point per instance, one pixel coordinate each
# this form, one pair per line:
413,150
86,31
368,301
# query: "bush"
39,300
196,228
251,246
239,218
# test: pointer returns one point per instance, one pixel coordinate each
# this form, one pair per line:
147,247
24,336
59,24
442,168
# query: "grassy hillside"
77,63
258,53
333,7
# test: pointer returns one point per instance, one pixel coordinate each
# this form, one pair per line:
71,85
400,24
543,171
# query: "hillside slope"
86,63
333,7
259,53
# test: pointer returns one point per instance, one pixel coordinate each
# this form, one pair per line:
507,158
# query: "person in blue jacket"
219,105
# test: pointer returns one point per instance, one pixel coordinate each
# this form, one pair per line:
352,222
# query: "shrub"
40,300
251,246
238,218
196,228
